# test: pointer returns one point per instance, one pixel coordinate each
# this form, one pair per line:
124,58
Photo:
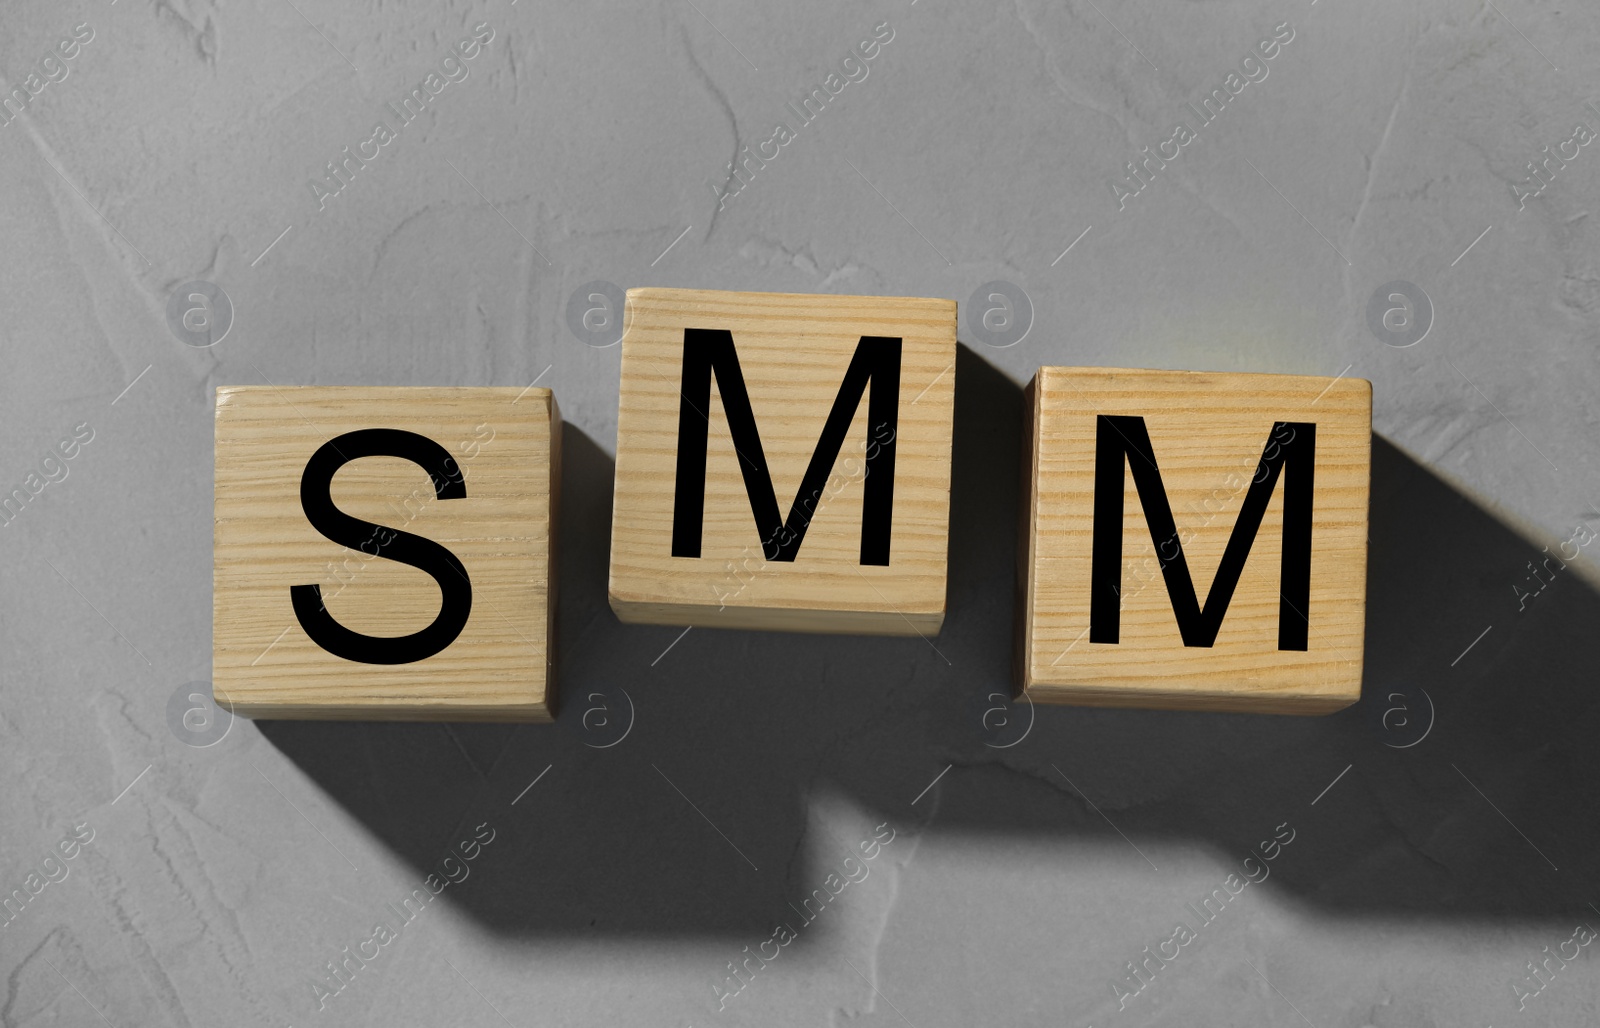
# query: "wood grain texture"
793,350
1207,432
500,668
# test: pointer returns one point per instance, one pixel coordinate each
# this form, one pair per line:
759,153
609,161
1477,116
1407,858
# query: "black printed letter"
1117,437
877,359
422,554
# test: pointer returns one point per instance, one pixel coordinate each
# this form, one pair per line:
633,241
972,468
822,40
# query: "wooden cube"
385,553
783,461
1194,541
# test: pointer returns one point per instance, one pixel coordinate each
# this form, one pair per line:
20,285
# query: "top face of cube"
1196,540
783,461
392,514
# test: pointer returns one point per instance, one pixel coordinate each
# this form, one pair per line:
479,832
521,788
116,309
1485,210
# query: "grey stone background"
1444,831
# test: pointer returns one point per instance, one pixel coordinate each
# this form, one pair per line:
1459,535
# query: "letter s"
423,554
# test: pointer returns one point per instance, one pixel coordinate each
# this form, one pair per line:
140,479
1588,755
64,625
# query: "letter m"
707,351
1121,440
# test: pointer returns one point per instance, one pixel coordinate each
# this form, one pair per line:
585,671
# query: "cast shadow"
675,795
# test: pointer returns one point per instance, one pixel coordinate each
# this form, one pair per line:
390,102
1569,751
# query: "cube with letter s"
385,553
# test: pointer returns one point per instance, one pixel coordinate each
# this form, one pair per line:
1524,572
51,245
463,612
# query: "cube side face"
497,668
1027,516
793,353
1209,435
552,552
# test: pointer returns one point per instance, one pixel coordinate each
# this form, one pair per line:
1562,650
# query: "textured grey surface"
219,881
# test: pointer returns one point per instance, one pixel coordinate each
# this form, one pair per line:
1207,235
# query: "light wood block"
1211,436
861,565
498,446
